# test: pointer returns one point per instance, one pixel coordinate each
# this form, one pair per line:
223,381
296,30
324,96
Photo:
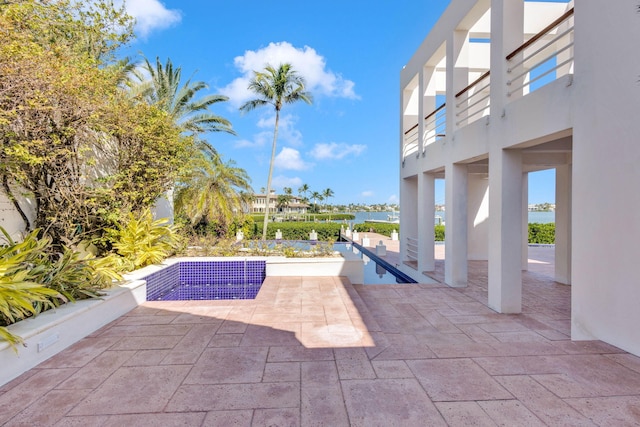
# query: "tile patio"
319,351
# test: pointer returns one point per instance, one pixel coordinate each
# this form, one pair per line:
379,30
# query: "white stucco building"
502,88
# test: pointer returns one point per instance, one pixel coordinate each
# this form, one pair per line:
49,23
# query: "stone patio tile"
145,330
470,349
353,363
80,353
228,418
503,326
232,327
147,343
552,334
321,400
216,397
541,402
440,322
158,319
83,421
281,372
49,409
609,411
268,336
391,369
376,402
155,420
587,347
229,365
535,348
146,358
134,390
477,334
510,413
95,372
629,360
456,379
225,340
520,336
521,365
289,417
464,414
470,308
298,354
30,390
202,315
191,346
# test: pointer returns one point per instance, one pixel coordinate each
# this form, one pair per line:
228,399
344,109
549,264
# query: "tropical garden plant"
275,87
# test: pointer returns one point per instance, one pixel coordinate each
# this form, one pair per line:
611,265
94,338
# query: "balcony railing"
435,125
412,249
472,102
410,143
545,57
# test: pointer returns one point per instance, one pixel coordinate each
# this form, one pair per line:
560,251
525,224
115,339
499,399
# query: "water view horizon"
534,217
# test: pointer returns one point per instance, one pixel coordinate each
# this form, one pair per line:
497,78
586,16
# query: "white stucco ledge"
348,265
54,330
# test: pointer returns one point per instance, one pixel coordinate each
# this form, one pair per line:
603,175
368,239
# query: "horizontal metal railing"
410,143
412,249
473,101
435,125
545,54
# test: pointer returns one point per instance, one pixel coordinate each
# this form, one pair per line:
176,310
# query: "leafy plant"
144,241
20,294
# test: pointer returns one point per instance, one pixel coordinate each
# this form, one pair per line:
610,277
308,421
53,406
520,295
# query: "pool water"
376,271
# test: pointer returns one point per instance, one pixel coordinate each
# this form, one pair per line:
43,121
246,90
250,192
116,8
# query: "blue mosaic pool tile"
199,280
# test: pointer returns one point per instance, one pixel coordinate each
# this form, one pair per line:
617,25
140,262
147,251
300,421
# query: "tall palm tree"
162,88
303,190
213,191
316,196
327,193
276,87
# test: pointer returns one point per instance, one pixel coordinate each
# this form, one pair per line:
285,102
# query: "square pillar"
505,237
455,263
563,224
478,217
426,215
525,221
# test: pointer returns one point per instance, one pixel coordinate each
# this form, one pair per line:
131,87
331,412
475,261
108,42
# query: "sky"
350,54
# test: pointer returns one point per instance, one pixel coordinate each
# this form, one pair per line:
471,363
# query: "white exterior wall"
606,174
584,124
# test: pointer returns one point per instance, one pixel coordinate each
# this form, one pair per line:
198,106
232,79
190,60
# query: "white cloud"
367,193
151,15
306,61
393,199
335,151
286,128
290,159
281,181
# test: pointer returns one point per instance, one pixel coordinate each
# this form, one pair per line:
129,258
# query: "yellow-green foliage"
144,241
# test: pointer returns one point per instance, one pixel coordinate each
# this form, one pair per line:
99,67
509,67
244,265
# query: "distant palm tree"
162,88
316,196
275,86
214,191
303,190
327,193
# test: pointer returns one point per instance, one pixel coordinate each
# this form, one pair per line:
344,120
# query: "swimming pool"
376,270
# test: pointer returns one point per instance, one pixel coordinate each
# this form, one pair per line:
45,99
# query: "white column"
563,225
525,221
457,73
408,213
455,264
426,213
505,237
478,217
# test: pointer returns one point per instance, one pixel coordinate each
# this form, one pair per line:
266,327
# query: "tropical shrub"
327,231
142,241
542,233
377,227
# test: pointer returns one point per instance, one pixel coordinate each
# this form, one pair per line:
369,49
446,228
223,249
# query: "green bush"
377,227
542,233
327,231
439,233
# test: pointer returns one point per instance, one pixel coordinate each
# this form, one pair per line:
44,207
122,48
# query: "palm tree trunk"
273,157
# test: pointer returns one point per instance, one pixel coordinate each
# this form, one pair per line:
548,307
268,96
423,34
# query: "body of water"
539,217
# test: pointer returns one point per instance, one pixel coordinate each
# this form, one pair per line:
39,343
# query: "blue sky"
350,53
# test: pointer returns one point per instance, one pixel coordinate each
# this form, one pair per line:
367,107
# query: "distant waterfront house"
502,88
294,206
